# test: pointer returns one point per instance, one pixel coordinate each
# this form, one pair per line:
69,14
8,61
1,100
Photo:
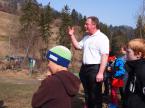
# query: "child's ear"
139,55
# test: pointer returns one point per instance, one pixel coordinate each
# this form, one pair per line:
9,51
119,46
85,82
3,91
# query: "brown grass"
17,95
17,88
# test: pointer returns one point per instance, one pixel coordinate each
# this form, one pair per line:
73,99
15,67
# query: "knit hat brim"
57,59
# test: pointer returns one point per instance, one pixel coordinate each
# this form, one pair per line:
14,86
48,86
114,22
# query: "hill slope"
9,26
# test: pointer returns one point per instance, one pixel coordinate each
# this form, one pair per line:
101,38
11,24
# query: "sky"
110,12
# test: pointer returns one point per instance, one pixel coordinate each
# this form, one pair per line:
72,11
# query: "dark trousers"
92,89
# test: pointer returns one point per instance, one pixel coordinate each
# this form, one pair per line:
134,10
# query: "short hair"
95,20
137,45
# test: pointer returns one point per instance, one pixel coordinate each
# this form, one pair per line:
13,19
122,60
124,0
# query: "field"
16,90
16,95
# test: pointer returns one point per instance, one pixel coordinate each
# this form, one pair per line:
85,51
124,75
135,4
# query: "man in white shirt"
95,46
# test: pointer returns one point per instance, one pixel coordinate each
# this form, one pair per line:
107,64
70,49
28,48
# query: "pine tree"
45,21
66,22
29,22
74,16
82,22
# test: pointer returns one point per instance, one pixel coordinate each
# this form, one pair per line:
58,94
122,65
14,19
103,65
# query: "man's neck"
93,32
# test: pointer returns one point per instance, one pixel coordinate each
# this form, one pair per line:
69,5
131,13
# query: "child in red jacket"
118,71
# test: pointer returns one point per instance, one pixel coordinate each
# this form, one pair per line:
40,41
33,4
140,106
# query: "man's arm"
72,36
104,59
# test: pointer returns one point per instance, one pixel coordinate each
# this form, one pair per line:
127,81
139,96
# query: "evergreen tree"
118,39
74,16
105,29
29,23
30,14
45,21
82,22
66,22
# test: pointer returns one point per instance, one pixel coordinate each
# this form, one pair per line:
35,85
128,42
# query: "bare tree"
140,26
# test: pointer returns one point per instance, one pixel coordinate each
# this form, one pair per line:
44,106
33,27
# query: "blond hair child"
135,88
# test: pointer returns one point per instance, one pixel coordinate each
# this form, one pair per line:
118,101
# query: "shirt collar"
96,33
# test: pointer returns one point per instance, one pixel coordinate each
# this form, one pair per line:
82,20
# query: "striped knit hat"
59,55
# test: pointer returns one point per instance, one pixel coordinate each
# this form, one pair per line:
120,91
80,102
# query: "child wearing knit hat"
57,90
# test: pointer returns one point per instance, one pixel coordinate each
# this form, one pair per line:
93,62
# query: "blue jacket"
119,69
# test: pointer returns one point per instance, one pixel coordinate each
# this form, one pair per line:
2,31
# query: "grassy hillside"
9,26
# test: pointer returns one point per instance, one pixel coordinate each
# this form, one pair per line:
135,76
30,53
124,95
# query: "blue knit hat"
59,55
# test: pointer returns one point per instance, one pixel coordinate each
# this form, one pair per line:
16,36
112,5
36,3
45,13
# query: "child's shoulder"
122,58
119,60
50,79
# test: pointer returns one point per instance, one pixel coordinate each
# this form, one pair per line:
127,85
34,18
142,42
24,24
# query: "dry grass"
20,95
17,88
4,38
9,24
17,95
